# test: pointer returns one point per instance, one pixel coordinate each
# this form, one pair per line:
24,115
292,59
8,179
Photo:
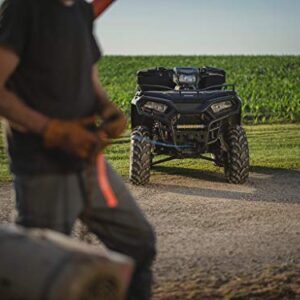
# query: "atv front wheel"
236,160
140,156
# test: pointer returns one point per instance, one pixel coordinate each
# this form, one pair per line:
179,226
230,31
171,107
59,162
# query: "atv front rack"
218,87
155,86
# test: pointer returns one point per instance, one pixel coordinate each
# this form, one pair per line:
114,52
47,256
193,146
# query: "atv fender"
138,119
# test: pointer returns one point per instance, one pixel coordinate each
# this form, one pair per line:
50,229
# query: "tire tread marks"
237,163
140,156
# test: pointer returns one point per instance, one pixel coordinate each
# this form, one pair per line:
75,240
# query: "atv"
186,113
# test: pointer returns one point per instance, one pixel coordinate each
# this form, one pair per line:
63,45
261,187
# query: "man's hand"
72,137
117,125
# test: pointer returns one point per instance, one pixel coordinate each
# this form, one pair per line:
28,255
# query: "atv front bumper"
191,121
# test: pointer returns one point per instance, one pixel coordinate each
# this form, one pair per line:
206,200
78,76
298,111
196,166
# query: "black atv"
184,113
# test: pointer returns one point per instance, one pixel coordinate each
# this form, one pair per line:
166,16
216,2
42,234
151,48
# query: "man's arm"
107,108
11,107
100,92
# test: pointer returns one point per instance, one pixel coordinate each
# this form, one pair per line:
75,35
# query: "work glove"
114,121
72,137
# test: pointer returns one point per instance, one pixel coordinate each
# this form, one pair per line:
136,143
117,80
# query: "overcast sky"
200,27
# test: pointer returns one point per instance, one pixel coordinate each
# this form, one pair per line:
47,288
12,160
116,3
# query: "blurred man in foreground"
51,96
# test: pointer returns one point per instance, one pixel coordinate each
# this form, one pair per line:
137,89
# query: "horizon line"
113,54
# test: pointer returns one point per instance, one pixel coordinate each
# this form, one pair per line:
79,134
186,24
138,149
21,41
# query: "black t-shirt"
57,50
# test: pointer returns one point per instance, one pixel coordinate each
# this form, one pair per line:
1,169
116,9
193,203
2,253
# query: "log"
100,6
45,265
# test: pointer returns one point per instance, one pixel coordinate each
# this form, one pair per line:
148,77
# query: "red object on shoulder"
100,6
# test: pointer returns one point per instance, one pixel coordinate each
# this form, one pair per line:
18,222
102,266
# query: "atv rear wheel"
140,156
236,159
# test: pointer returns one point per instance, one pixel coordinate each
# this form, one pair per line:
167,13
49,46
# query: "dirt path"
216,240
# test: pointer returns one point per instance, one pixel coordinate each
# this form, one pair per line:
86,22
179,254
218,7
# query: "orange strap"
104,184
100,6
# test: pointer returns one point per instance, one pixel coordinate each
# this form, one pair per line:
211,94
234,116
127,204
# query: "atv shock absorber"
100,6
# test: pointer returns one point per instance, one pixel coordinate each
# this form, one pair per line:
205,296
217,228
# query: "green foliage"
271,146
4,173
268,85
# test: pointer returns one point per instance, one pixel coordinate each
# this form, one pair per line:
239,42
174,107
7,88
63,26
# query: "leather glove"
72,137
116,121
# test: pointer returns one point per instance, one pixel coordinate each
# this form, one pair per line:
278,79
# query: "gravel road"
217,240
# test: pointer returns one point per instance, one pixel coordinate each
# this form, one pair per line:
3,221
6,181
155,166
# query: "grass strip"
274,146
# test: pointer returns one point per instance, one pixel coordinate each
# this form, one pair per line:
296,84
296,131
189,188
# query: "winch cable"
97,162
156,143
162,144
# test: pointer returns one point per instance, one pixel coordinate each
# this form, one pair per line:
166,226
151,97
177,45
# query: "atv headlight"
159,107
217,107
187,79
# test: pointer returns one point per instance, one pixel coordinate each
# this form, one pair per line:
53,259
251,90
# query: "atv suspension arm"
162,144
176,157
164,160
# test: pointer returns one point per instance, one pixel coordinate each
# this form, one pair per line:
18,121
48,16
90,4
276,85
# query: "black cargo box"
161,79
211,78
158,79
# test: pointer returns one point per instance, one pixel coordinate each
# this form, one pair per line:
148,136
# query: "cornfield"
268,85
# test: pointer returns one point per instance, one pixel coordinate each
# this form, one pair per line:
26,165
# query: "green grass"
4,172
271,146
268,85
